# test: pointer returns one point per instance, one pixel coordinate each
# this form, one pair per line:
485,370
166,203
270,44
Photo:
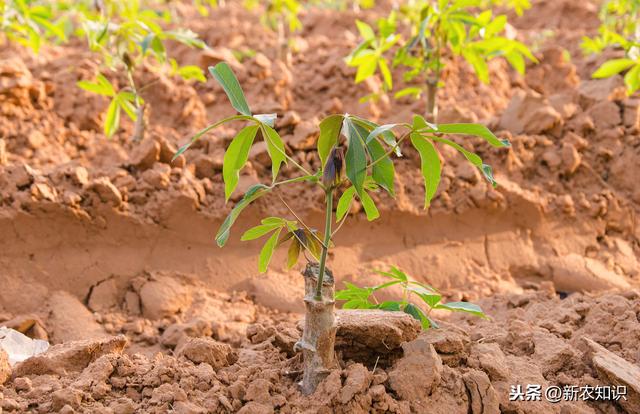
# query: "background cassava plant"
620,29
125,36
437,30
365,298
357,160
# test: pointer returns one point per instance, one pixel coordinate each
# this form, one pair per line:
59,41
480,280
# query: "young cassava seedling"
356,165
620,29
126,35
439,29
360,298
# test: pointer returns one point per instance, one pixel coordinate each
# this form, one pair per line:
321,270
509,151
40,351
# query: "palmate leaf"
267,251
369,206
112,119
462,307
226,78
275,148
477,130
293,253
344,203
612,67
236,157
430,166
329,133
251,195
356,157
382,171
417,314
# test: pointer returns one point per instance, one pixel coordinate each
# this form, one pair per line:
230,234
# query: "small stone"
66,397
73,356
599,90
43,191
531,113
3,152
357,381
416,375
571,158
146,154
552,159
22,384
107,192
80,176
207,350
605,115
206,167
35,139
158,177
484,399
618,372
630,106
262,61
163,296
468,172
258,390
5,368
22,175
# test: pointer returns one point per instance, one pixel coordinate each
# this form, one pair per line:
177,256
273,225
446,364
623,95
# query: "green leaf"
203,131
192,72
430,165
112,120
329,133
275,148
250,196
395,273
421,124
344,203
267,251
632,79
612,67
470,156
369,206
259,231
102,86
379,131
293,253
476,130
356,157
462,307
386,73
225,77
383,171
366,67
410,91
430,297
236,157
389,305
417,314
365,30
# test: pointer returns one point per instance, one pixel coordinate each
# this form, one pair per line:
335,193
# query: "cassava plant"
125,35
365,298
438,29
356,158
32,23
620,29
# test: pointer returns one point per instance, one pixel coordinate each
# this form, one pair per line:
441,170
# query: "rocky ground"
102,238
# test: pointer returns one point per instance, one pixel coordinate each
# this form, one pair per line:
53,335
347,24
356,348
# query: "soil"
107,247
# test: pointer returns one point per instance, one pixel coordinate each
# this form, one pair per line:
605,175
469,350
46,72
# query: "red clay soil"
102,237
